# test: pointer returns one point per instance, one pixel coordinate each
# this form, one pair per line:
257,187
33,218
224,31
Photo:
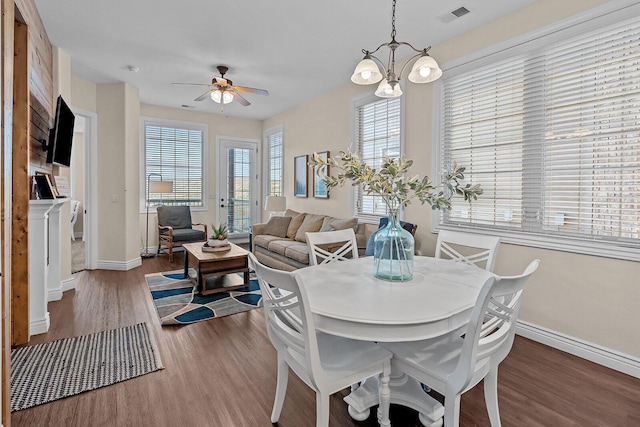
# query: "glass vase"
393,252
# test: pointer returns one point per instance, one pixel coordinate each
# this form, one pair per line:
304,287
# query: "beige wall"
62,86
586,297
118,109
218,125
84,94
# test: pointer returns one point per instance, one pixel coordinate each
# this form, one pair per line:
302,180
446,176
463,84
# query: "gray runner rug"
45,372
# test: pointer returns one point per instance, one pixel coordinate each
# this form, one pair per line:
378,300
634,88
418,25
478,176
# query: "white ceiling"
295,49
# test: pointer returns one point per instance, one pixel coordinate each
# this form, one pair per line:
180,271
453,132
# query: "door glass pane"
239,190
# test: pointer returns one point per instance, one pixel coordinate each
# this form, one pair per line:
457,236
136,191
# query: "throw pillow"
327,227
339,224
296,222
311,224
277,226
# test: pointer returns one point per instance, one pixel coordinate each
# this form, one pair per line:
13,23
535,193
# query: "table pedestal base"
405,391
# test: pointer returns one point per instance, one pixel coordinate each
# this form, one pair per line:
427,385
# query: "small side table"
215,271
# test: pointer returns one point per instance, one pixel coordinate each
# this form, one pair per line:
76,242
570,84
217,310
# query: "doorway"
238,183
84,184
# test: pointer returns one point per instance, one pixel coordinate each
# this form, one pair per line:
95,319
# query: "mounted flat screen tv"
61,135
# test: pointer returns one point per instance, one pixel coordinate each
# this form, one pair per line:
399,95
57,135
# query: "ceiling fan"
223,91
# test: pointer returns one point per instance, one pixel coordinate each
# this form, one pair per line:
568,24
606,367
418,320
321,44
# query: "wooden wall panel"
20,188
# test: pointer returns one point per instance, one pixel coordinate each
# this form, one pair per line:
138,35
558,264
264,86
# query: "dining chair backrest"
332,246
491,330
473,249
289,324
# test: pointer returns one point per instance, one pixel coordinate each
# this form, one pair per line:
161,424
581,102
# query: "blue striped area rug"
178,303
45,372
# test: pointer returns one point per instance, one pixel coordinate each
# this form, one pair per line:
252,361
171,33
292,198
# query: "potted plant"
219,235
394,246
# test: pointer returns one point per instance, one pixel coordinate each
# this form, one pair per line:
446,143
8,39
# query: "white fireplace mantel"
44,261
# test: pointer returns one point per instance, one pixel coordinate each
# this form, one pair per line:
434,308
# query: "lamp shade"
425,70
366,72
275,203
160,186
385,90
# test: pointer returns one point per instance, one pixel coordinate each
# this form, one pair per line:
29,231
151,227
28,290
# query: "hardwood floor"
221,373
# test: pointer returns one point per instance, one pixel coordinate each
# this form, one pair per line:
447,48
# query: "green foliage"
220,232
390,181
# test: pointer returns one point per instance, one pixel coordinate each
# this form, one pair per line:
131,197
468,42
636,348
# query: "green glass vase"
393,252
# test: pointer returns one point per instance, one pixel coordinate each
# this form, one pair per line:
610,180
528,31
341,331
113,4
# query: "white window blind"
176,154
275,163
377,135
553,136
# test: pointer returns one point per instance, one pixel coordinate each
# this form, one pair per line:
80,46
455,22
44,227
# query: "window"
552,132
175,152
274,162
378,134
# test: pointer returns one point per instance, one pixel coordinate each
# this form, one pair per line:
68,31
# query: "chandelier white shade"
371,70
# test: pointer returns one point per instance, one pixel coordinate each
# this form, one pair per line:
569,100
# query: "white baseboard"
39,326
67,285
119,265
54,294
613,359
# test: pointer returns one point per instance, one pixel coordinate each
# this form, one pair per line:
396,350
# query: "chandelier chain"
393,20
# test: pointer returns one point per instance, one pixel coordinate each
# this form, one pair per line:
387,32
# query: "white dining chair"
326,363
332,246
451,364
473,249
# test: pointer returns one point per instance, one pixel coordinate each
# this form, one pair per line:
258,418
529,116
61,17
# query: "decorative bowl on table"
212,243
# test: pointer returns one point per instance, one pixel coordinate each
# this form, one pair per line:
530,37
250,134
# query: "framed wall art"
301,177
320,190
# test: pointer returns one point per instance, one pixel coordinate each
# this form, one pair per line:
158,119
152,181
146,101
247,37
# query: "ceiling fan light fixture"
227,97
216,96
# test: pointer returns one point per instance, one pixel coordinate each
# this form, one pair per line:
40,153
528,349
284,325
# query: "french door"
237,193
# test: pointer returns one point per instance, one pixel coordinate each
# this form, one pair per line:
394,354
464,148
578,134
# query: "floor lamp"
160,187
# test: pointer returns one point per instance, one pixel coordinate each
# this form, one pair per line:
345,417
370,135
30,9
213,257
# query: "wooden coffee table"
215,271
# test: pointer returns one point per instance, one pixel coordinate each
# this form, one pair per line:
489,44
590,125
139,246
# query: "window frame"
594,19
176,124
357,102
266,163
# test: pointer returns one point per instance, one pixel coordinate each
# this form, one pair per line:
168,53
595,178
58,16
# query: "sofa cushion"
280,246
264,240
296,222
298,252
311,224
277,226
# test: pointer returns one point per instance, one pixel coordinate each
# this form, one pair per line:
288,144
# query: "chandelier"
371,70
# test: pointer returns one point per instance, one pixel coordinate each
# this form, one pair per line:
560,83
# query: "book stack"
218,248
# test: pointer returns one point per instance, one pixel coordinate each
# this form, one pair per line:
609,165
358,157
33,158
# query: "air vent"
453,15
460,11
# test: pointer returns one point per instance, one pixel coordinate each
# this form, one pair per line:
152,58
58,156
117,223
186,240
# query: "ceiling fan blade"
240,99
203,96
251,90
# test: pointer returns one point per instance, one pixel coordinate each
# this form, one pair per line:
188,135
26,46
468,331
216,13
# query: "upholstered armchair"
175,228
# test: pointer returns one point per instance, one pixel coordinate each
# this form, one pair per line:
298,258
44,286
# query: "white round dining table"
347,300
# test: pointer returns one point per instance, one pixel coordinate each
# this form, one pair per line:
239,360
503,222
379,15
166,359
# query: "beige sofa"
281,243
